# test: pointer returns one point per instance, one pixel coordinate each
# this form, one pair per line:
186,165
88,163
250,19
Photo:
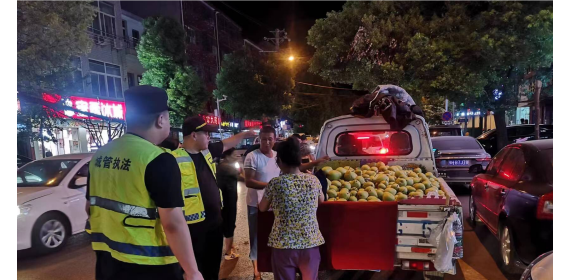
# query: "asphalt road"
77,261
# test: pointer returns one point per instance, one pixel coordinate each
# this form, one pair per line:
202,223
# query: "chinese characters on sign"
106,108
230,124
211,119
248,123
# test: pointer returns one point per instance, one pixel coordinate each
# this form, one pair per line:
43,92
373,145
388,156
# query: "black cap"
143,100
195,124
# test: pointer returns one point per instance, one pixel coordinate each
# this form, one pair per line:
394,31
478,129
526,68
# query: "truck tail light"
545,208
417,265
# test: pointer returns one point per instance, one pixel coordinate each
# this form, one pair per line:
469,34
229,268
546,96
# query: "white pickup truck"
348,138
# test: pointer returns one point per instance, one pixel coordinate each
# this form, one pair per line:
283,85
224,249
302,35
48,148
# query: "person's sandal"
231,256
257,277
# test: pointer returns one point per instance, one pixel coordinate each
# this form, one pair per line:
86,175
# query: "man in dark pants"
202,197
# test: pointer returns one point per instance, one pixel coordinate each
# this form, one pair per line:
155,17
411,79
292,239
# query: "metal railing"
103,38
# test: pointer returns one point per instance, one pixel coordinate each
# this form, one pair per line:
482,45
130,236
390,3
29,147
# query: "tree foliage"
162,53
50,35
254,87
468,52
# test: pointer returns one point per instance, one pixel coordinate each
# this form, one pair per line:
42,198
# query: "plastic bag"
395,91
443,238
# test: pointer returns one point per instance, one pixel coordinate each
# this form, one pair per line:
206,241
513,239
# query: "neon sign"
251,123
105,108
211,119
230,124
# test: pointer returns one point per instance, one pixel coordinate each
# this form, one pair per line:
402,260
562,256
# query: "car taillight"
544,210
417,265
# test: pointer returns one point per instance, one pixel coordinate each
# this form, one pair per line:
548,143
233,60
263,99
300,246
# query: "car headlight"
312,147
236,165
24,209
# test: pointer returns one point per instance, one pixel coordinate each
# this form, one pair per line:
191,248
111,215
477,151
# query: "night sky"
296,17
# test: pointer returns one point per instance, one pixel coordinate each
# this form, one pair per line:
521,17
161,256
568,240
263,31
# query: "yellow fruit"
331,193
336,183
362,200
381,186
333,187
349,176
375,169
330,199
388,197
401,196
365,167
380,164
334,175
326,169
341,199
362,195
341,170
352,198
372,198
403,190
402,182
355,184
391,190
361,179
366,176
373,193
418,170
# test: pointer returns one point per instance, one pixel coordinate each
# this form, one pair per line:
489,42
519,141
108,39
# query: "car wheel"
472,212
508,255
50,233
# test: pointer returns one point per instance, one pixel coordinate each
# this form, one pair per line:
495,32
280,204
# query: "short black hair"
289,152
303,137
296,135
268,129
170,143
228,152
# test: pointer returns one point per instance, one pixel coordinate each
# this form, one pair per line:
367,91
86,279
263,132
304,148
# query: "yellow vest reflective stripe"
123,218
193,203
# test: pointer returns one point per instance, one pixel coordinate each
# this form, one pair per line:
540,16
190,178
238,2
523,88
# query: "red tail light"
544,210
417,265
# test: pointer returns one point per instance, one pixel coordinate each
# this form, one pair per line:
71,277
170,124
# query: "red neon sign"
248,123
211,119
106,108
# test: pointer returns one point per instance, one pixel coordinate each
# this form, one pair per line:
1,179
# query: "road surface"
77,261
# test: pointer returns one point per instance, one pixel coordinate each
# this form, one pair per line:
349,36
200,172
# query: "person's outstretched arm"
233,141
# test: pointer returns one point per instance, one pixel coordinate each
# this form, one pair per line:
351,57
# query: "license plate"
458,162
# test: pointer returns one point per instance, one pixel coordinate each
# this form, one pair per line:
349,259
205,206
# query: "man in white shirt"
260,167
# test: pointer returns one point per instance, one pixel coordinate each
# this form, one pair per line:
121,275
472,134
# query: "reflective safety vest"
193,204
123,218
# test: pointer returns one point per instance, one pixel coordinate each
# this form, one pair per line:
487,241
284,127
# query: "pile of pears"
379,182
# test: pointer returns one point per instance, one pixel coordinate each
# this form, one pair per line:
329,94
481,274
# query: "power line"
328,87
246,16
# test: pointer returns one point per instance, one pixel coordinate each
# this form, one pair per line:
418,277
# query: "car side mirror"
476,169
80,182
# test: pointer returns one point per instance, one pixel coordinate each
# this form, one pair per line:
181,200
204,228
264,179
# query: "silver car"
455,154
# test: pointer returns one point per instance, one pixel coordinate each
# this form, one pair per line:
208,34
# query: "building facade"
103,75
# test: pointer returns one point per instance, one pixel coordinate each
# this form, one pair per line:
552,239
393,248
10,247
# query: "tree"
162,52
474,53
51,34
313,105
254,87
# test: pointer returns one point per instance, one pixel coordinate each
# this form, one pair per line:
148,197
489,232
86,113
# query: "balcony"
102,38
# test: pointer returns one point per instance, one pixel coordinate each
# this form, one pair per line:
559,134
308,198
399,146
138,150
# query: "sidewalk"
242,267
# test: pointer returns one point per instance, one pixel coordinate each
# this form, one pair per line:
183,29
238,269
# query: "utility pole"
277,39
537,88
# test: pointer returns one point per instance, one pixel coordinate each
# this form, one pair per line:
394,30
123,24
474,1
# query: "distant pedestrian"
295,237
49,154
228,175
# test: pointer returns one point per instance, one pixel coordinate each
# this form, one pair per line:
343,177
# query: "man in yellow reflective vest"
136,221
202,197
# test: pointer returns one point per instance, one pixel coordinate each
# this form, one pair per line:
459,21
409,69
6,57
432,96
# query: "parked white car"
51,201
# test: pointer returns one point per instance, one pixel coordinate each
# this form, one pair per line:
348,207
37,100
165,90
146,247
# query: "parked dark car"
516,133
22,160
445,130
455,155
514,199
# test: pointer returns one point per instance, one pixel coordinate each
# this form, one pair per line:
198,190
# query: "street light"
291,58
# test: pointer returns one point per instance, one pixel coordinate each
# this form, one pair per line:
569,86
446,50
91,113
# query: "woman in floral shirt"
294,197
